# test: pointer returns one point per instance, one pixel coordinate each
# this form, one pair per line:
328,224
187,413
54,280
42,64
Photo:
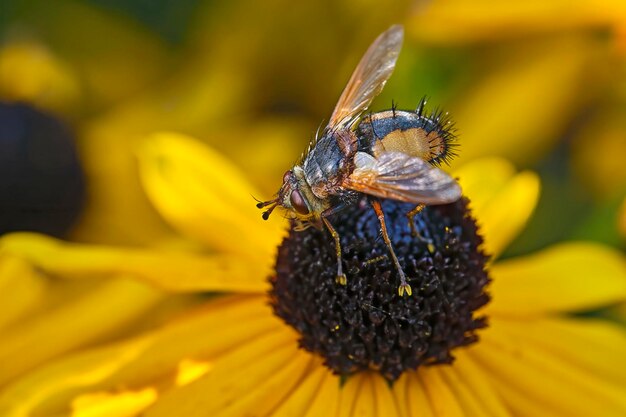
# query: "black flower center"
42,187
366,324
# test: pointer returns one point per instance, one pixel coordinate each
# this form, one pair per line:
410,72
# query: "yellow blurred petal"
30,72
523,105
622,220
189,370
122,404
561,384
250,379
21,289
241,326
598,150
483,178
169,270
300,399
90,317
567,277
443,400
470,21
411,394
117,211
326,402
266,147
501,201
205,196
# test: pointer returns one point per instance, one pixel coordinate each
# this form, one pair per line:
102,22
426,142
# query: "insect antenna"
272,205
266,213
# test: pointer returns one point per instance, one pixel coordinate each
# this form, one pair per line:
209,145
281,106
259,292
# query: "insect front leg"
341,277
411,217
404,285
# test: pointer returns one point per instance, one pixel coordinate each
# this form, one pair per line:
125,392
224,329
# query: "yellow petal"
270,391
299,400
443,400
501,201
365,399
100,311
252,378
21,289
326,402
570,276
349,394
122,404
204,196
560,384
594,346
25,397
411,395
172,271
225,325
189,370
478,385
384,398
32,73
470,21
464,392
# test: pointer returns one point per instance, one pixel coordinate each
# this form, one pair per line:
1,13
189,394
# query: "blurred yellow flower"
233,357
537,73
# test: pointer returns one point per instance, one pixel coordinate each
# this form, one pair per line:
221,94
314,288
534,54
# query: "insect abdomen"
425,137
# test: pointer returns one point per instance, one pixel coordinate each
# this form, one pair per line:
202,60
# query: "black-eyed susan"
234,357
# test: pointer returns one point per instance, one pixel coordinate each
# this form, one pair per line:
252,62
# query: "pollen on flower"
365,324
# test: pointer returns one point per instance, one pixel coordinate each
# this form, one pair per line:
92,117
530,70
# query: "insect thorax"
323,165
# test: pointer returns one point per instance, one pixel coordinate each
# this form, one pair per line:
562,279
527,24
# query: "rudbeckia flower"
312,347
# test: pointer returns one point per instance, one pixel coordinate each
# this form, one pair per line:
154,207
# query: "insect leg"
404,286
411,217
341,277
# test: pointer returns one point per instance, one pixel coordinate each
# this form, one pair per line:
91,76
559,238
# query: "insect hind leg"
404,285
411,218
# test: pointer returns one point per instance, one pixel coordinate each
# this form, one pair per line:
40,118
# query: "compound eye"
297,202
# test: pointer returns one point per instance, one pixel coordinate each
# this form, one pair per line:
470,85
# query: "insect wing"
399,176
368,79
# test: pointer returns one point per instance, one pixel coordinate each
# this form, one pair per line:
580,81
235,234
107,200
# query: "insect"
391,154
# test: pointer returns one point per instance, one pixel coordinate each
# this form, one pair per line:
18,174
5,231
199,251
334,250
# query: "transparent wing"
368,79
399,176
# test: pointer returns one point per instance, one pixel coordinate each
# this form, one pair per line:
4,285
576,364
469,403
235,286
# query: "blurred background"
82,82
